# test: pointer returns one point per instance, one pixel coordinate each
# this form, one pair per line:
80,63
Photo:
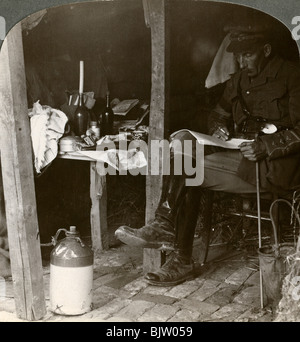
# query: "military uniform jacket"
274,95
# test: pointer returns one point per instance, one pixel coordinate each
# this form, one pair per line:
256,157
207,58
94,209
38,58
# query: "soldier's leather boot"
160,232
180,266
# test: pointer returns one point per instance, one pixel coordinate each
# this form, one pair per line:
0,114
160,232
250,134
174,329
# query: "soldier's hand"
253,150
221,132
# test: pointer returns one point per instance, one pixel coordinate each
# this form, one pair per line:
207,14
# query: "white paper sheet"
205,139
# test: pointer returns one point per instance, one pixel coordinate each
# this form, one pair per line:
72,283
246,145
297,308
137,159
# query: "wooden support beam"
18,181
153,259
159,106
158,17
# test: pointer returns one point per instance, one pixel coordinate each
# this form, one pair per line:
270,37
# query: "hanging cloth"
224,65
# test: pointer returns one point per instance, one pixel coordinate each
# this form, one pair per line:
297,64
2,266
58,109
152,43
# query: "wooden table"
98,194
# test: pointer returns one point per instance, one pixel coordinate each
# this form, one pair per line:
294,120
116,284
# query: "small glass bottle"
81,117
94,130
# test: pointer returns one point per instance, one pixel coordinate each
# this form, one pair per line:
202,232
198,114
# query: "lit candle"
81,76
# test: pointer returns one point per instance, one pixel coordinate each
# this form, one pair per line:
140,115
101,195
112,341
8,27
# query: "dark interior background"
113,40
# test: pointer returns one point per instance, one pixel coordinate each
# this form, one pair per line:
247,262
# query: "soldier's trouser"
181,203
220,168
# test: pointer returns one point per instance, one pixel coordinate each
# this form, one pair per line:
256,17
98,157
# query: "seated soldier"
265,89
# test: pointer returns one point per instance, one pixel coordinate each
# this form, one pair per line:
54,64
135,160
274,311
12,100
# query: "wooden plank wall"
18,181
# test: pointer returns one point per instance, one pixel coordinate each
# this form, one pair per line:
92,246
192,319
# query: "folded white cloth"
224,65
47,127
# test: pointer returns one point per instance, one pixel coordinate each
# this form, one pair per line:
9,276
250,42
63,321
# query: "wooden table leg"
98,193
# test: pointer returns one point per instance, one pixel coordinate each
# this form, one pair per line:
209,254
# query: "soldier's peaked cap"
247,37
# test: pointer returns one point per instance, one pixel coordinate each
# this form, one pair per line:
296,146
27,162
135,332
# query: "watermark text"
160,158
296,29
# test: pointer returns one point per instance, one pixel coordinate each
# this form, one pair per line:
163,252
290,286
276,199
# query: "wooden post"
98,193
18,181
159,110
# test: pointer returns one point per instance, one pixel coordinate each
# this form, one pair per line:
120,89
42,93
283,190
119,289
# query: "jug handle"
54,238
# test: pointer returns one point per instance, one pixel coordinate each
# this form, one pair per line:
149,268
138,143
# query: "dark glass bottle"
107,119
81,118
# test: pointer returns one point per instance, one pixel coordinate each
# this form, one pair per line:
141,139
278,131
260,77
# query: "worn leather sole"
170,283
133,240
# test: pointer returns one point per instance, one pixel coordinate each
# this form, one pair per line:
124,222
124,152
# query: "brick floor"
227,291
159,313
